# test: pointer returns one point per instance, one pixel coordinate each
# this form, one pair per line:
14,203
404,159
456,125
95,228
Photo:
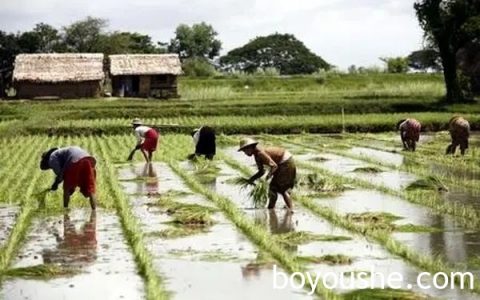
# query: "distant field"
249,104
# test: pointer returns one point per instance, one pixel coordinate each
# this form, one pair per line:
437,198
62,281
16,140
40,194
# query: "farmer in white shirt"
147,140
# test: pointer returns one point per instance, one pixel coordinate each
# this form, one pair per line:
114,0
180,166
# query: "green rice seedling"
206,170
259,193
43,271
258,190
317,183
177,232
295,238
416,228
337,259
368,170
374,220
383,294
428,183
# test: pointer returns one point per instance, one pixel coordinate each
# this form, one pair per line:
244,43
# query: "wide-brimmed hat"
45,158
137,121
247,142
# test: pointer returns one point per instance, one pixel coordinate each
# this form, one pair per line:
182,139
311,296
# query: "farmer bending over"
282,169
147,139
204,140
460,132
410,133
76,168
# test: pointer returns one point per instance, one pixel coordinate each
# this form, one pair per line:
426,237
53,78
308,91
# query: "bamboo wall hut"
66,75
145,75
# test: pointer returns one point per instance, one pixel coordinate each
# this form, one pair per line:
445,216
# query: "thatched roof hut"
145,64
145,75
65,75
57,67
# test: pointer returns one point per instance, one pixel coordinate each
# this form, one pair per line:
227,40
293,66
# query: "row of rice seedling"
382,235
276,124
429,198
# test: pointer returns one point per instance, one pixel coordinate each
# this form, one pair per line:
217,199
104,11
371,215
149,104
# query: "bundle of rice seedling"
258,191
320,184
428,183
206,169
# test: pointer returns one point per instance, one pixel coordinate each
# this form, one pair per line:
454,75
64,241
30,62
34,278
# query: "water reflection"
150,174
75,246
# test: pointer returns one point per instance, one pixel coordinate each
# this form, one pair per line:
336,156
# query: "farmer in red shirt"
410,133
147,140
76,168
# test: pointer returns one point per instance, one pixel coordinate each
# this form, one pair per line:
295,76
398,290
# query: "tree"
425,59
196,41
281,51
84,35
9,48
126,42
396,64
447,25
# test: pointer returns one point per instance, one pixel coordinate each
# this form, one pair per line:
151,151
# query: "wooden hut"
66,75
145,75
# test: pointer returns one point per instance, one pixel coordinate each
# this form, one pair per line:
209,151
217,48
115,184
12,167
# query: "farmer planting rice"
76,168
460,132
410,133
147,140
282,169
204,140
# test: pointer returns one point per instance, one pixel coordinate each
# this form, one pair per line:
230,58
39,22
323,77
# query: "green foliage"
198,67
198,40
84,35
425,59
449,25
281,51
396,64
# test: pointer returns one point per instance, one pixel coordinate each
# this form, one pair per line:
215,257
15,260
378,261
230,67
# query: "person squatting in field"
410,133
282,169
204,140
147,140
76,168
459,132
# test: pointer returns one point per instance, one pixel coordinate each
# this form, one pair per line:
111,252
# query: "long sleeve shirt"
62,158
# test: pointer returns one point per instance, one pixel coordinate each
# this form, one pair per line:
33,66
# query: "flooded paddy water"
363,254
445,238
91,245
8,214
217,262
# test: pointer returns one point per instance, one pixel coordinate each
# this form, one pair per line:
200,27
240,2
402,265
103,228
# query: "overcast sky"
343,32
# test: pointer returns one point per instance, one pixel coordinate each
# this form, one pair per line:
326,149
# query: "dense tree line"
87,35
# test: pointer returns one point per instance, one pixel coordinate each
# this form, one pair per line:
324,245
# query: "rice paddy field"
177,229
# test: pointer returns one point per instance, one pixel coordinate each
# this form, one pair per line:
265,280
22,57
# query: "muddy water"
378,155
217,264
91,242
341,165
454,243
8,214
365,255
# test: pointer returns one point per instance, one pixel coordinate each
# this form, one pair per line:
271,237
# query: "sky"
343,32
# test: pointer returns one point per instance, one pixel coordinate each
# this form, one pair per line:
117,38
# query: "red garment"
81,174
412,130
150,141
